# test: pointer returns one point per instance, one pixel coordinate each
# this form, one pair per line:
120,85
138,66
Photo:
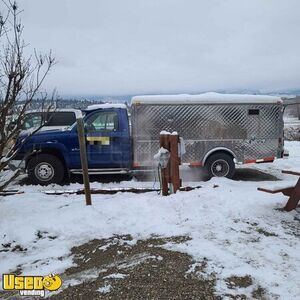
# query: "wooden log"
10,192
115,191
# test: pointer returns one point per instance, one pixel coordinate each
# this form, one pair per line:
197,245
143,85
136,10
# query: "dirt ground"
118,268
145,271
121,268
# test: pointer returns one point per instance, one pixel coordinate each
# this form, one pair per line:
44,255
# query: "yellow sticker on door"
98,140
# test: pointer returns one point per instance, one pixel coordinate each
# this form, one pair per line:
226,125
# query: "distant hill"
127,98
82,101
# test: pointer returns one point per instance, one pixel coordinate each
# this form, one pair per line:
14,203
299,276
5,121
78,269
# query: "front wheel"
220,165
44,169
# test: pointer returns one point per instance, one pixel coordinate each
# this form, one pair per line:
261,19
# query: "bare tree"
21,79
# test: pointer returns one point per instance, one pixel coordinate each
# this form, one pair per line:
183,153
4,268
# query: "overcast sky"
166,46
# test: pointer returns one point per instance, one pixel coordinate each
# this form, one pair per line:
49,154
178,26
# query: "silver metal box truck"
219,130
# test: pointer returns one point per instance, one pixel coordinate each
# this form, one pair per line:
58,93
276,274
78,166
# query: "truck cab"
51,156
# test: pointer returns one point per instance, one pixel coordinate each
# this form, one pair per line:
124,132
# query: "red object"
196,164
266,159
250,161
269,159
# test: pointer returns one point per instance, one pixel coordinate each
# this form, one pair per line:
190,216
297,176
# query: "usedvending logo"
31,285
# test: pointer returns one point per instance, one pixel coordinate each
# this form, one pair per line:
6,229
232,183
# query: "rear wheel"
220,165
44,169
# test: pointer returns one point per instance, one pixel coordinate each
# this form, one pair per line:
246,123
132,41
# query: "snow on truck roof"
106,105
52,110
206,98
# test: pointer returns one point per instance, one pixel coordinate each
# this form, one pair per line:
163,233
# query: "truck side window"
32,121
60,118
102,121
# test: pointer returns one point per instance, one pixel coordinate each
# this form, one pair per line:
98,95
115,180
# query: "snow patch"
206,98
106,106
105,289
164,132
115,276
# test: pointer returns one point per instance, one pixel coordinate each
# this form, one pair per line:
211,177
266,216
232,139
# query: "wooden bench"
287,191
291,190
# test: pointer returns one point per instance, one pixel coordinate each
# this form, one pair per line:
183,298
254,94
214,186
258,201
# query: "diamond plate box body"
248,131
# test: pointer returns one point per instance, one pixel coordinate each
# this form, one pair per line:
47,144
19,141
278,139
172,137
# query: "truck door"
253,143
104,138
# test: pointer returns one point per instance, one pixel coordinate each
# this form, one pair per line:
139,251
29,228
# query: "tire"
220,165
45,169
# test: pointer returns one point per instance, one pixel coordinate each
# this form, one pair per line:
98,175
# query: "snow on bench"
278,187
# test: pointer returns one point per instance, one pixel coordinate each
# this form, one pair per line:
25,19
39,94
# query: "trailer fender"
218,149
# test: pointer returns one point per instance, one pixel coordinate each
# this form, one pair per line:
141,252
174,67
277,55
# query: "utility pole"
83,158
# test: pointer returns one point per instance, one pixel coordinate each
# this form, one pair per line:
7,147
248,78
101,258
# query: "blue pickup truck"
50,156
219,131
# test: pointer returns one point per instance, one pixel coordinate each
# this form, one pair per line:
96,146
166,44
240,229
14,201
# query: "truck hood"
52,131
25,142
45,128
44,135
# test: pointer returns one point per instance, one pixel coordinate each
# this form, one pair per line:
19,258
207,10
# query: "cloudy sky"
113,47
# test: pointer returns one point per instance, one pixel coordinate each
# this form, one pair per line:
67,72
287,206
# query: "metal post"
174,162
165,173
83,158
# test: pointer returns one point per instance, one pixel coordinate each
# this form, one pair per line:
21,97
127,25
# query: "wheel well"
46,151
224,151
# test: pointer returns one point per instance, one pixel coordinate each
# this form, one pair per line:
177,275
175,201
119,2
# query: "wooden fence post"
165,173
83,158
174,162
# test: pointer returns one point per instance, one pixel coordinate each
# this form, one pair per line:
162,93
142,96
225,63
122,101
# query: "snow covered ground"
237,229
